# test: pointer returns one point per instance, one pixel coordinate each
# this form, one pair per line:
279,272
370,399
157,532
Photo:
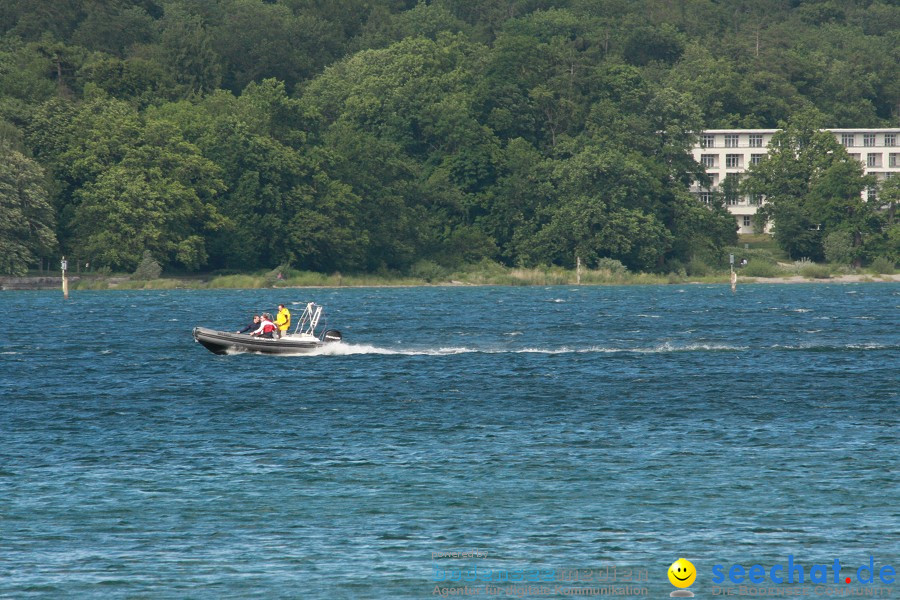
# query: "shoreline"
116,282
850,278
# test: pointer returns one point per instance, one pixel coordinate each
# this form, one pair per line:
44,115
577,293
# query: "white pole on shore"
65,284
578,270
733,274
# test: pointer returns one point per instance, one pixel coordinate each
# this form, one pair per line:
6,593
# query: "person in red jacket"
267,328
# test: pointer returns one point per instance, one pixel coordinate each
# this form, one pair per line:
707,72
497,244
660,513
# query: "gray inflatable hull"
223,342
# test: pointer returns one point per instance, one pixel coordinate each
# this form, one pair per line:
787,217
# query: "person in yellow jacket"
283,320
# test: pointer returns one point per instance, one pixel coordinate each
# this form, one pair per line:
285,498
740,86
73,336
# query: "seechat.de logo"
795,573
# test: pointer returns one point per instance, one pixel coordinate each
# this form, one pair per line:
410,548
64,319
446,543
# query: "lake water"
576,428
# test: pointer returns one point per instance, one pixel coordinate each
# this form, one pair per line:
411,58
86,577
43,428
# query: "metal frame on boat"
302,341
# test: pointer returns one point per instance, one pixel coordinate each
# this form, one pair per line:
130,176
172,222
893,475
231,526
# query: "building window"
848,140
732,161
755,159
708,160
731,140
705,197
756,140
754,199
871,194
855,156
868,139
873,160
746,221
892,159
890,140
708,140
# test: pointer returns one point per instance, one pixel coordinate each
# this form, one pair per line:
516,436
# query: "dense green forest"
369,135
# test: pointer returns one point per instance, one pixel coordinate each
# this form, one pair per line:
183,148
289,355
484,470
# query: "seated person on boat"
267,328
252,326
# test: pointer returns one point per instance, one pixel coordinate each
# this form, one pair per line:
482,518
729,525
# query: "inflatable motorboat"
302,341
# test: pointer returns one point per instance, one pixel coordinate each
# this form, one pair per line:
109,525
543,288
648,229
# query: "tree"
399,125
811,187
23,74
31,20
143,80
839,248
539,77
147,269
187,49
599,213
132,207
135,183
886,244
712,83
513,205
113,28
649,44
426,20
26,217
889,194
280,205
386,181
260,40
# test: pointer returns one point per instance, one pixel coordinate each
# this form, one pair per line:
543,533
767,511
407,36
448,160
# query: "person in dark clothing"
252,326
267,328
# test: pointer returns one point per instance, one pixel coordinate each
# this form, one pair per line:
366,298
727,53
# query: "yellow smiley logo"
682,573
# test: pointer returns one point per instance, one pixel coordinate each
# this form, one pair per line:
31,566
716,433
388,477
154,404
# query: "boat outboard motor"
332,335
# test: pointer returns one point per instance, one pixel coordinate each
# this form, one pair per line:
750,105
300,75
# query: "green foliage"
698,268
114,29
811,186
652,44
94,283
892,243
426,20
372,135
882,265
147,269
816,271
136,79
186,49
428,270
278,276
612,265
26,217
237,281
138,185
839,247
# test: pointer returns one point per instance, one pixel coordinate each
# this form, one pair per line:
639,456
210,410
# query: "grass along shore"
767,263
493,275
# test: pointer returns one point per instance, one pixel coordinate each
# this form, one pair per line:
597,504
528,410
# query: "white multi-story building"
730,152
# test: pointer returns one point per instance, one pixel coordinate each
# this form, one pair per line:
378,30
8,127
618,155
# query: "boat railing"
309,320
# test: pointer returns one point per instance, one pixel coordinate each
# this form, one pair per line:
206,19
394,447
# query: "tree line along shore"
418,139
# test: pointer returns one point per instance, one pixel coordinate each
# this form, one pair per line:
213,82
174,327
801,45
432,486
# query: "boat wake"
344,349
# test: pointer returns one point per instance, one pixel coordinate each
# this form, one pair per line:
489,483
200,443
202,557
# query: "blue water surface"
554,428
